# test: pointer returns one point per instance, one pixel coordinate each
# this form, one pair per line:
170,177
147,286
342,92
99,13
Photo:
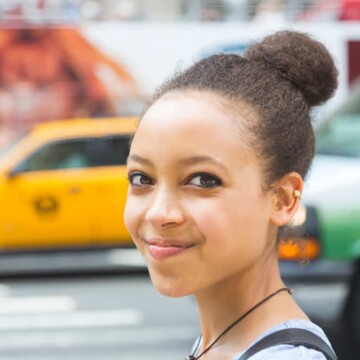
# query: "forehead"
188,112
190,123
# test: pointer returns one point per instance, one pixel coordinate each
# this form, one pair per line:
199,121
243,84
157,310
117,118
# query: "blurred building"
52,66
67,12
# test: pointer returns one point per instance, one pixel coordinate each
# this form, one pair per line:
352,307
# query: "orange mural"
55,73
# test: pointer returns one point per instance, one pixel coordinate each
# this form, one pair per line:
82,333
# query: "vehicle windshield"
340,133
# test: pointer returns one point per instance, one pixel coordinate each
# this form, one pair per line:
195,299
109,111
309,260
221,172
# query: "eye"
204,180
139,179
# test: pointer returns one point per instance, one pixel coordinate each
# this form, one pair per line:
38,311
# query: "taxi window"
78,153
59,155
117,149
108,151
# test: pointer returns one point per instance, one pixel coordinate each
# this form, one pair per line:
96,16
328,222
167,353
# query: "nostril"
164,219
165,210
168,224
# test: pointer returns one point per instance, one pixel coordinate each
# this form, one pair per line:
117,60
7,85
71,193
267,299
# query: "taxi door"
51,198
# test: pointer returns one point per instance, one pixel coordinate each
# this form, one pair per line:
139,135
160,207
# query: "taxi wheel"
352,312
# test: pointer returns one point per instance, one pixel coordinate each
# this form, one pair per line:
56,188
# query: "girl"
216,168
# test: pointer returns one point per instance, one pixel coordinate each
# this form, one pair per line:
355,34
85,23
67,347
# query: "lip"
164,248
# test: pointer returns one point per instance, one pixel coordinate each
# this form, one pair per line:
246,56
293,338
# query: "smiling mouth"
164,249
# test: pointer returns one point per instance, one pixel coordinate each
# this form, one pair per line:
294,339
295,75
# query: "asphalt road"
111,317
119,316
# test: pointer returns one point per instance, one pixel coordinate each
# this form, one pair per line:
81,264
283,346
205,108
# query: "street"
117,316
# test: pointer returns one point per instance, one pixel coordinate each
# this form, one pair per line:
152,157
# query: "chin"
169,286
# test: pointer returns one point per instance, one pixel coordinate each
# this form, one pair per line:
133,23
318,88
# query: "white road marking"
81,319
130,336
36,304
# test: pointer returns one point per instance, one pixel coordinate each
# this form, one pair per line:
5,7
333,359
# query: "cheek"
237,219
210,219
132,215
219,216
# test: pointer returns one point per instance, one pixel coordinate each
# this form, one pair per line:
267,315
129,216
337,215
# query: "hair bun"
302,60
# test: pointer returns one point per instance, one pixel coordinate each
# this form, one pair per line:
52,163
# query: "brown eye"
204,180
140,179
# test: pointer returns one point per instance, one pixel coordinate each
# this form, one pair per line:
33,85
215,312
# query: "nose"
165,210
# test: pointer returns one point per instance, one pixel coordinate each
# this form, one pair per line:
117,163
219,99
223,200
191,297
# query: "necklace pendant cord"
193,357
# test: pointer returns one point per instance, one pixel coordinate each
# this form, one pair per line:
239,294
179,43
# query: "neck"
223,303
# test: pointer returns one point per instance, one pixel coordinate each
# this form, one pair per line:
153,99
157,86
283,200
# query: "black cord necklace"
193,357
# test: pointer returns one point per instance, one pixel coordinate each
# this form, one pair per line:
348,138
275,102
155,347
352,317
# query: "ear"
286,198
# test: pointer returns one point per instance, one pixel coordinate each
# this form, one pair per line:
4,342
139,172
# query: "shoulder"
285,352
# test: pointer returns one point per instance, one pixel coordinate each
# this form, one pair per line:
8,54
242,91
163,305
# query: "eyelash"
133,175
215,181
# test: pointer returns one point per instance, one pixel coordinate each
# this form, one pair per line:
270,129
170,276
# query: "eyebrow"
200,159
184,162
140,160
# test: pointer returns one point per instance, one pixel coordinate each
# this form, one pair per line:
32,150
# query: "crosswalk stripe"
129,336
81,319
36,304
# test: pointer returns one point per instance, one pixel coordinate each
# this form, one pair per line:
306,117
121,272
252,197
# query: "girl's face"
195,209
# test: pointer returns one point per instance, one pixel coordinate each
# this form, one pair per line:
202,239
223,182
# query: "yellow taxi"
63,185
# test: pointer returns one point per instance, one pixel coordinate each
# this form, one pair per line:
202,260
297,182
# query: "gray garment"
286,352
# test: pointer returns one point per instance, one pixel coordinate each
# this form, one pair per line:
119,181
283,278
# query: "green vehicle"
331,212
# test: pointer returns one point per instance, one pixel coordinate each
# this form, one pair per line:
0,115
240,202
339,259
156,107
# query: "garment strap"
296,337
